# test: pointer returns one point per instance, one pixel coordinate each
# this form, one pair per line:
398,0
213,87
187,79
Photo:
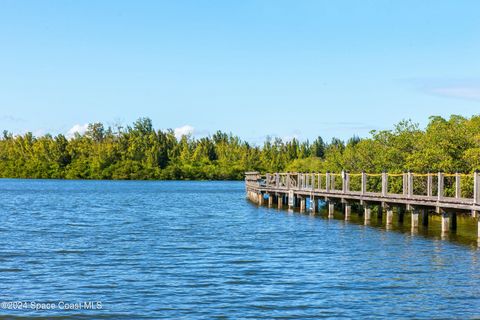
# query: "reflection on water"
465,233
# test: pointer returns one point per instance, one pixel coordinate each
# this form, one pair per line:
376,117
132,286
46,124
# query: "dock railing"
458,188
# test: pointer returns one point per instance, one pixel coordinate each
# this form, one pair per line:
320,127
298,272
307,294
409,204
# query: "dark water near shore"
190,250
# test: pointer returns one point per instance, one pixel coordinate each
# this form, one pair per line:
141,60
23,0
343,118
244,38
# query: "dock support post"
331,209
280,201
389,216
313,204
425,217
270,200
348,211
291,199
478,229
302,204
260,199
414,218
445,222
367,213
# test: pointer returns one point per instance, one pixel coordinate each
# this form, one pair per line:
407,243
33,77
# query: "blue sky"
255,68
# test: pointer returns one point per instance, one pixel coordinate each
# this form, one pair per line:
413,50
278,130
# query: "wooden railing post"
327,181
410,183
429,185
347,182
364,183
476,187
440,186
291,182
458,191
384,184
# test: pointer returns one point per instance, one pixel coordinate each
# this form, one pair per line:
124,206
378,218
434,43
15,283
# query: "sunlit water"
193,250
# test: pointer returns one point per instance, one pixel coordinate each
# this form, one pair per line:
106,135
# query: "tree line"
141,152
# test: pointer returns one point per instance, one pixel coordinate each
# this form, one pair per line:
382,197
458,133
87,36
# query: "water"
199,250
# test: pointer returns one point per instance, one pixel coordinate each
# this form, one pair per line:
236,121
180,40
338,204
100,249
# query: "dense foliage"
140,152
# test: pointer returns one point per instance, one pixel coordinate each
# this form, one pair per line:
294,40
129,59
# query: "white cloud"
183,131
78,128
458,92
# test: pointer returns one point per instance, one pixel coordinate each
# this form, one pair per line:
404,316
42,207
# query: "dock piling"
441,196
348,210
313,203
414,217
367,213
302,204
445,222
331,209
260,199
389,216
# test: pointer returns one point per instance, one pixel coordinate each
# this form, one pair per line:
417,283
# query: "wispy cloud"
461,92
183,131
78,128
460,88
10,118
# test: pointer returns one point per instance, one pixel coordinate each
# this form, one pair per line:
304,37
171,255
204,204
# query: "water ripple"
198,250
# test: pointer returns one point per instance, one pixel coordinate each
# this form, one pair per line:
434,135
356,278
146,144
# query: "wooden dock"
417,195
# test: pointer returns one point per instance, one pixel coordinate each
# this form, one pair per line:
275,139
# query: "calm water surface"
199,250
